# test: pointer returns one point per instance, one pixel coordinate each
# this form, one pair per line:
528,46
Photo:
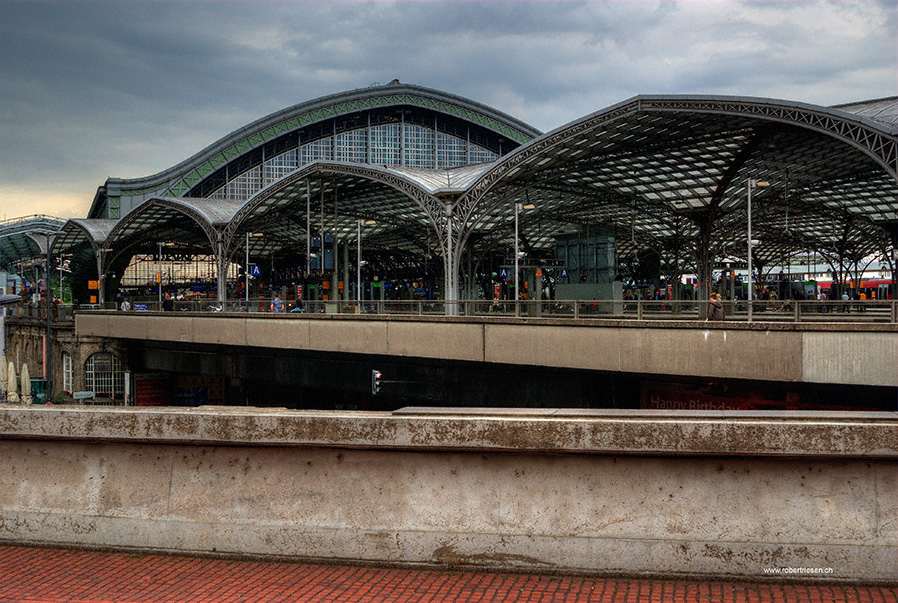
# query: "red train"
871,289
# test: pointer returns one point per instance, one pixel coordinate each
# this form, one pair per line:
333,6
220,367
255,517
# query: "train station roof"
667,173
23,238
674,171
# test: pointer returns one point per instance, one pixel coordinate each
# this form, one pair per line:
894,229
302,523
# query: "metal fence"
762,311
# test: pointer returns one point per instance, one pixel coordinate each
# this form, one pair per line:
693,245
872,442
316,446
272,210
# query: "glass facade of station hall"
404,144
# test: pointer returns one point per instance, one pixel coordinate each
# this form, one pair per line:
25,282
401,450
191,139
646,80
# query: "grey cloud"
96,89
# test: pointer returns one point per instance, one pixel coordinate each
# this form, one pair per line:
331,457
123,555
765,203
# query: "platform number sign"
254,270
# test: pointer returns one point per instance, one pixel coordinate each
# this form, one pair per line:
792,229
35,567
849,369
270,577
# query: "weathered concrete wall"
612,492
859,354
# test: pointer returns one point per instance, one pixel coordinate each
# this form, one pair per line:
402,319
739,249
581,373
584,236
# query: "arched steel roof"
183,178
883,110
18,240
663,172
666,168
404,203
163,219
77,231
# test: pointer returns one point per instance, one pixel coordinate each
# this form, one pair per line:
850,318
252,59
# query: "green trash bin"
38,390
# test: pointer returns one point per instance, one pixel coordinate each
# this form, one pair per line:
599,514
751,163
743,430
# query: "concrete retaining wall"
604,492
839,353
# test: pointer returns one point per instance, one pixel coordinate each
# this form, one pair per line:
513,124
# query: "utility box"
39,390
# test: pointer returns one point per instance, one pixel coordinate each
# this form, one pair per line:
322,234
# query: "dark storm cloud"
96,89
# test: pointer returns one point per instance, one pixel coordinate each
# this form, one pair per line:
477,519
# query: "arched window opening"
103,375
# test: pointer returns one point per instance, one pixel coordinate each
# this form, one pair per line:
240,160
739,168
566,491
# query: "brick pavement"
40,575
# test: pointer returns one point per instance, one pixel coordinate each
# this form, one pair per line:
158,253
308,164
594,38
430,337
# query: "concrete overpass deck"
824,353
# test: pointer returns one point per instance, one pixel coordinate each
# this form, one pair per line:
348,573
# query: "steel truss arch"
872,138
280,130
863,134
210,216
78,230
436,211
428,203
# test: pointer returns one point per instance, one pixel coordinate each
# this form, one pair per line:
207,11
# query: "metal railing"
762,311
58,312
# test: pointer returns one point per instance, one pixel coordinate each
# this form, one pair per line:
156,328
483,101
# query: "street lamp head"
758,183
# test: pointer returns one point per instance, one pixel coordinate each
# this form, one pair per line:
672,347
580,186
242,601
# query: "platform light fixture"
517,210
246,265
48,386
752,184
358,272
159,273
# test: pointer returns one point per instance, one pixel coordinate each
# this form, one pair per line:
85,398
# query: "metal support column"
222,270
450,285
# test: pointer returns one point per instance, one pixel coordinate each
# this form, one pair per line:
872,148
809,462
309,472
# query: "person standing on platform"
277,305
715,308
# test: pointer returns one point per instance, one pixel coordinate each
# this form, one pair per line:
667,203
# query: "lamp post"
47,354
101,272
752,184
517,210
60,256
159,275
246,265
358,272
47,357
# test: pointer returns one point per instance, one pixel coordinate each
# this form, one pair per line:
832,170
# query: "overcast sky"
90,90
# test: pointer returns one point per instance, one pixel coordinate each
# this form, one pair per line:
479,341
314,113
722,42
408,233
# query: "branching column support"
674,268
221,268
98,254
450,267
704,256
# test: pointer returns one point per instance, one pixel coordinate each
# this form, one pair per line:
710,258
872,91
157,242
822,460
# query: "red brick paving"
39,575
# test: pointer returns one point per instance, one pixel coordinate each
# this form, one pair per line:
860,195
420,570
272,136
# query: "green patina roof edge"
183,184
